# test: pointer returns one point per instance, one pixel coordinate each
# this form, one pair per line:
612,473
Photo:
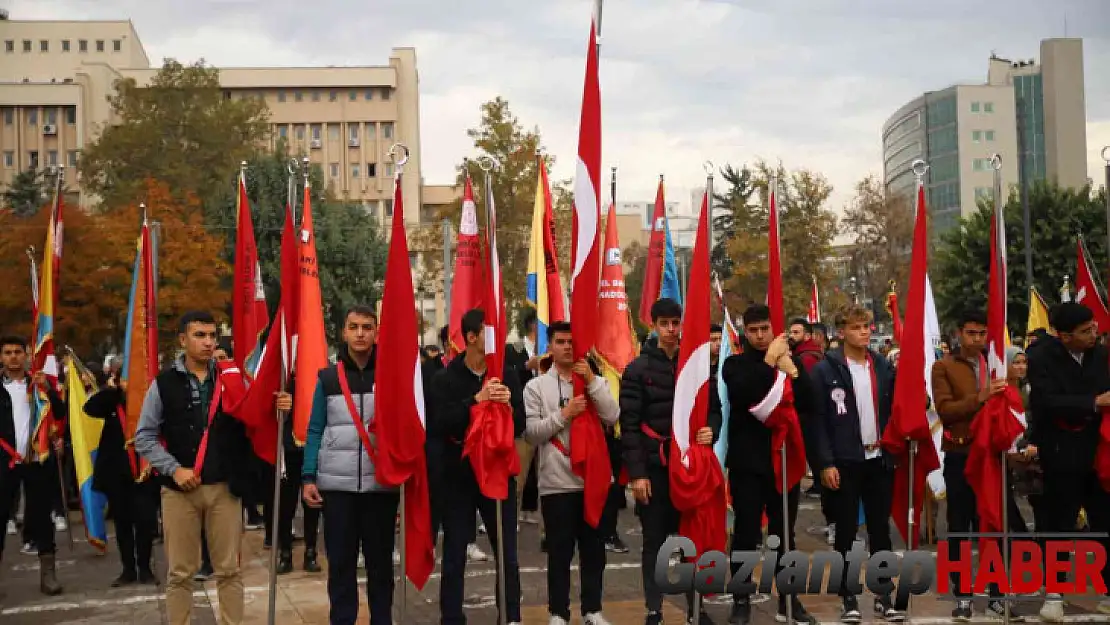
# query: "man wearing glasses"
1070,382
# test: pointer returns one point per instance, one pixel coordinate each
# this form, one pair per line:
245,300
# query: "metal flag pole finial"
399,162
920,168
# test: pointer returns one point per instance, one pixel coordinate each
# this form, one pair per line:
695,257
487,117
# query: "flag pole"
59,176
1000,223
709,167
487,164
772,205
399,166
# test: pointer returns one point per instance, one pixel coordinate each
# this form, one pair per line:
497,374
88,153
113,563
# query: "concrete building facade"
1032,115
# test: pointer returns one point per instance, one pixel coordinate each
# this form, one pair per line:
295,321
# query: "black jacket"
452,394
647,399
7,421
834,439
1062,395
749,380
112,469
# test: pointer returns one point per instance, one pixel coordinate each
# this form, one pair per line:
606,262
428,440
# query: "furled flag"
468,286
814,315
895,316
616,344
696,479
1038,313
490,438
545,292
908,422
776,410
249,316
140,346
85,436
589,457
1002,419
656,257
44,424
728,345
34,287
399,403
933,336
276,363
671,289
312,346
1086,289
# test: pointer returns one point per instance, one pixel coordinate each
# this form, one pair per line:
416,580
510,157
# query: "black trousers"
659,519
872,483
1065,492
616,500
752,495
40,489
135,514
290,497
463,502
354,521
564,518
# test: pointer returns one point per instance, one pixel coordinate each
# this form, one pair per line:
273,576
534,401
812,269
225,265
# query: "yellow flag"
1038,312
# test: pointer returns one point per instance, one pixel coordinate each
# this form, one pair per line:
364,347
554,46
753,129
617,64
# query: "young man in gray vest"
338,474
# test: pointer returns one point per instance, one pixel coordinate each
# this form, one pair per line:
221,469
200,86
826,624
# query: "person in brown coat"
961,386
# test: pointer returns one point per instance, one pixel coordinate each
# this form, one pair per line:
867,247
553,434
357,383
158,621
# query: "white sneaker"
60,523
557,620
29,549
475,554
1053,609
11,528
595,618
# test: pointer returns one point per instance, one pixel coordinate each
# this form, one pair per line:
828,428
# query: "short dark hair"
971,316
195,316
11,339
444,336
799,321
714,327
819,328
1068,316
472,322
757,313
665,307
528,319
558,326
362,310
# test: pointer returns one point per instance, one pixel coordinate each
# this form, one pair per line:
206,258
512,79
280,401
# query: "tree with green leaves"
962,263
349,242
733,211
180,129
26,193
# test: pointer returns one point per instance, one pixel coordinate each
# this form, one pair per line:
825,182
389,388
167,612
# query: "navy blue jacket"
834,439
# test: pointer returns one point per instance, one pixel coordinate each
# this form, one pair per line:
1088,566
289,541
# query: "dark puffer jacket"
647,399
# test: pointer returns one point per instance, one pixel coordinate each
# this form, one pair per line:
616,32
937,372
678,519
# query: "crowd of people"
204,477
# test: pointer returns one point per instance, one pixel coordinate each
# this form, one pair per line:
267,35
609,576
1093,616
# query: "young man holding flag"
464,384
339,474
768,391
551,406
22,462
646,418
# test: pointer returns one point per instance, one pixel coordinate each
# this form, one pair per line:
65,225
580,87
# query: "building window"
283,132
371,170
50,116
33,159
65,45
387,208
369,95
333,132
316,130
334,169
26,45
315,95
298,96
371,131
983,194
99,45
281,96
974,107
298,132
354,170
83,45
117,45
981,164
44,45
333,96
72,157
385,93
352,132
976,135
989,135
353,96
9,116
988,107
9,45
33,117
387,130
9,159
71,115
52,157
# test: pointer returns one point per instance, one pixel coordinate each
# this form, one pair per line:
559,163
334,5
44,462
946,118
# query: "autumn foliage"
95,281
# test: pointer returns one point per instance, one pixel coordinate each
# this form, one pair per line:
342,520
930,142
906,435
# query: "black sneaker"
702,619
203,574
126,577
798,613
849,612
311,564
885,609
616,545
996,608
147,577
741,613
962,612
654,618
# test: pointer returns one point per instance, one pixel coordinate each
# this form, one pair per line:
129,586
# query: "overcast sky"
809,82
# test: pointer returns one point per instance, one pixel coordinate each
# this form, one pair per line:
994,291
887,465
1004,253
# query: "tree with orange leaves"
99,254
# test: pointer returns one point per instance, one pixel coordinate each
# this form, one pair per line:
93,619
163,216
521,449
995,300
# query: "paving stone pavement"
302,597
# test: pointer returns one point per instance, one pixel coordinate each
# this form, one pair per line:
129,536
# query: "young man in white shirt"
853,389
18,461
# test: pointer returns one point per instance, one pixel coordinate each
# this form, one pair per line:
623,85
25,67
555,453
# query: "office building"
1033,110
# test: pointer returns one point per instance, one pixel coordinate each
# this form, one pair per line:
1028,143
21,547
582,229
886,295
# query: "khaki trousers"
220,513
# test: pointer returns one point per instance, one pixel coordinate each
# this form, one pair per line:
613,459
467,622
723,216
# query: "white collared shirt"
21,413
865,406
530,347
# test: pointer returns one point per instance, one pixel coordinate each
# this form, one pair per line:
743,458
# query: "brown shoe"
48,578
